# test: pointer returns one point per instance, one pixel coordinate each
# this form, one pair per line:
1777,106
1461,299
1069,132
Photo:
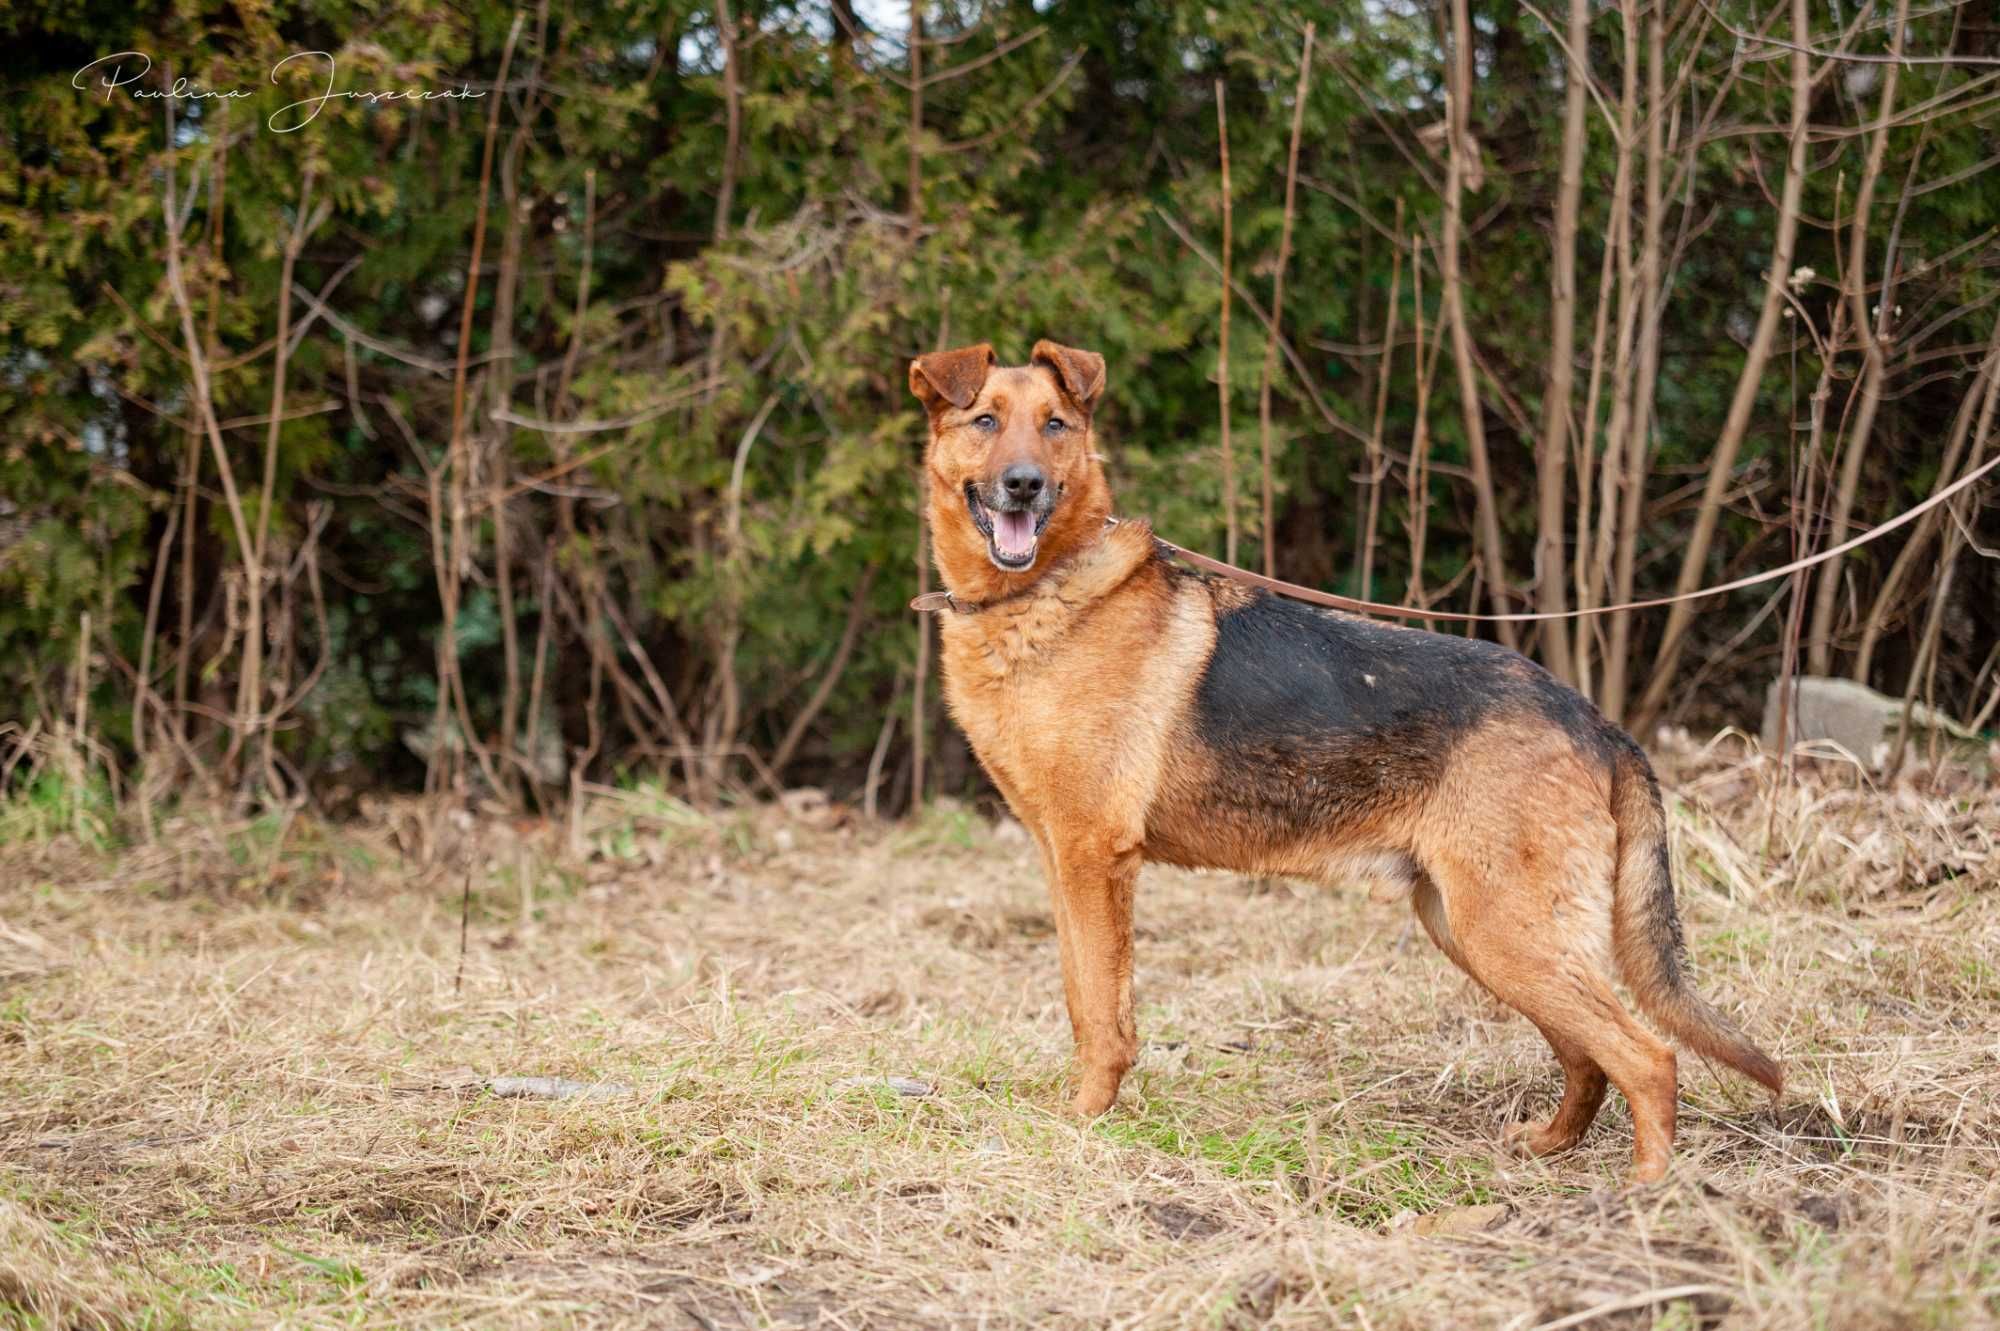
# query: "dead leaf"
1463,1220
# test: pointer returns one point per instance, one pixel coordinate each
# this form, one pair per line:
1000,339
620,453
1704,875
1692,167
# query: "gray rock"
900,1085
1860,720
555,1088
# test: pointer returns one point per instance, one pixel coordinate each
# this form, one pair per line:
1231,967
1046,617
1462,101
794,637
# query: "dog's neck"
1047,602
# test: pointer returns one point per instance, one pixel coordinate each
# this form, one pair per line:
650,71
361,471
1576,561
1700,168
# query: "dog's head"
1015,479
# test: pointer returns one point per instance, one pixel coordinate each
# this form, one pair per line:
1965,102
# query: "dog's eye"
985,421
1056,425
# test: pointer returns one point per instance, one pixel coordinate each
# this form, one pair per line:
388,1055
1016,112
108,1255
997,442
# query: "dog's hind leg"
1583,1094
1424,899
1535,947
1583,1081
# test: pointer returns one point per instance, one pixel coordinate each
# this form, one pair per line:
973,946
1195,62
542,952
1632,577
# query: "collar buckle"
939,602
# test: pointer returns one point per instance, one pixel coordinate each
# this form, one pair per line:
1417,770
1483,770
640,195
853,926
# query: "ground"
248,1081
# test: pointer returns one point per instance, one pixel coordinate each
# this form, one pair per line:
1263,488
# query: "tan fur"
1074,680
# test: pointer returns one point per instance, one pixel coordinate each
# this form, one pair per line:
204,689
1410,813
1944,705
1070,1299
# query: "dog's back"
1318,725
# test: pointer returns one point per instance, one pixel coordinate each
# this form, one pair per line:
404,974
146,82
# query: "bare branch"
1850,57
1487,508
1278,298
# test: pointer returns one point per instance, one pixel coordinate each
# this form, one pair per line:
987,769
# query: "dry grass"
241,1087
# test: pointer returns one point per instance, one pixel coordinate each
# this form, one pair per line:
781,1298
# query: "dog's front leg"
1092,881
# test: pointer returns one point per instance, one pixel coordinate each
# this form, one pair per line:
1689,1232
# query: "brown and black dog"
1131,709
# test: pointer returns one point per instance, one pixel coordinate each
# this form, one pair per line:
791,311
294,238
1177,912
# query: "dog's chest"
1071,712
1000,681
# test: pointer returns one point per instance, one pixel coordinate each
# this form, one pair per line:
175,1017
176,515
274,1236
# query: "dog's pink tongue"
1014,533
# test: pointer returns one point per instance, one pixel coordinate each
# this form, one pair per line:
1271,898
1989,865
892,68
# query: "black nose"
1022,482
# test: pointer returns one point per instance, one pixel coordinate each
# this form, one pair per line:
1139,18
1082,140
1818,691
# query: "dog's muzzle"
1011,518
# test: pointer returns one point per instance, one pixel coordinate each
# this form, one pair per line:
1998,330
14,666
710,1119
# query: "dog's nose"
1022,482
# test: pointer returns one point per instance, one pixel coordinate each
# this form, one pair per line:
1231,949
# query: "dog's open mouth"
1011,533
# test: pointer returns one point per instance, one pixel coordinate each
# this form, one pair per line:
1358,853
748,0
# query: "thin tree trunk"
725,194
1870,327
1805,499
732,110
1639,396
565,532
191,472
1611,477
918,728
725,723
593,736
1620,266
915,201
1722,462
78,749
1376,469
162,555
499,469
203,388
1979,400
567,377
531,744
451,690
250,684
869,809
917,717
1492,558
1553,454
1278,301
1586,450
1222,355
1419,479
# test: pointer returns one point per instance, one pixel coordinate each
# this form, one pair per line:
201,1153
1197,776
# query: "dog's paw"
1532,1139
1096,1096
1647,1170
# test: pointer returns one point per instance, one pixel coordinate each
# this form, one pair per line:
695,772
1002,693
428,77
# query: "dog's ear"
953,377
1081,373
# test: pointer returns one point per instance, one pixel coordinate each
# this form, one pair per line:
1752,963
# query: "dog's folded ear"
1081,373
951,376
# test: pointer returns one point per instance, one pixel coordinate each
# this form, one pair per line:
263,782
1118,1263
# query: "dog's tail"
1646,930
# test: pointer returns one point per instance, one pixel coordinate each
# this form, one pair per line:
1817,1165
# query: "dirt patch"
1181,1222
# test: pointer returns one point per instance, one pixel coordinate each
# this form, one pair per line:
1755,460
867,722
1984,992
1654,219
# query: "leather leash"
942,601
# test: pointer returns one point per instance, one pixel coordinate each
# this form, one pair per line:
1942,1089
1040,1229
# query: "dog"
1131,709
